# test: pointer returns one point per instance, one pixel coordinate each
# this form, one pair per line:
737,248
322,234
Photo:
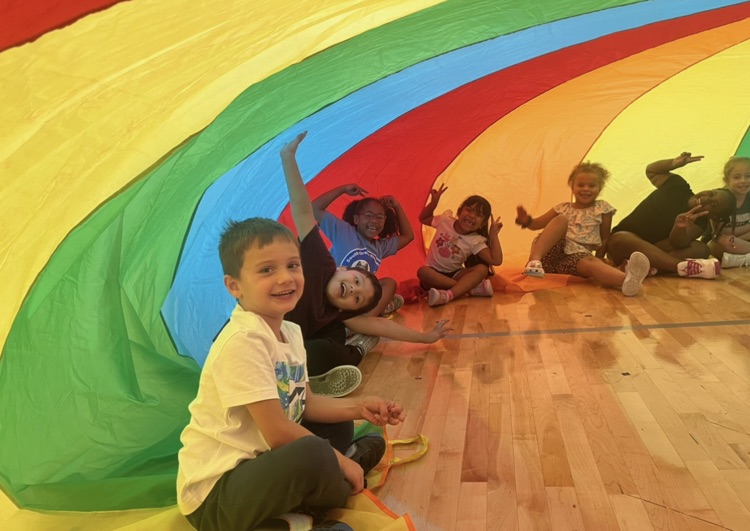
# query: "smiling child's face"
349,289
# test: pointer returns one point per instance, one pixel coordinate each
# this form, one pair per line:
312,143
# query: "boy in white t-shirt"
259,443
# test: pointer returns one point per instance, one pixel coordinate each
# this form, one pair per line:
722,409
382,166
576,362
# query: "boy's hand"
435,194
521,215
353,473
495,226
439,331
685,158
382,412
354,189
290,149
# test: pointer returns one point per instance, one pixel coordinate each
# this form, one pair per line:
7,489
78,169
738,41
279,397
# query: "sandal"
534,269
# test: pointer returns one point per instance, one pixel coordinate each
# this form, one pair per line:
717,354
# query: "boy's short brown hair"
239,236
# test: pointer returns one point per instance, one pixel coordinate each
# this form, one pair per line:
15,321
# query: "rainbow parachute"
132,131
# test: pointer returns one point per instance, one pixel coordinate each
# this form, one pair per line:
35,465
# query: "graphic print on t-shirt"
361,258
446,246
290,383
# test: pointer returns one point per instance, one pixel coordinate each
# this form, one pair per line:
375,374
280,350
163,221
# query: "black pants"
302,474
326,350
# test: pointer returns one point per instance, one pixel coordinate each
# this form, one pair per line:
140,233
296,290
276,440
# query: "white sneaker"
735,260
637,269
483,289
338,382
436,297
699,268
534,269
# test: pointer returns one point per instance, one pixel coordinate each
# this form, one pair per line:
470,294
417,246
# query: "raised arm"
685,230
493,253
425,217
658,171
322,202
406,232
299,199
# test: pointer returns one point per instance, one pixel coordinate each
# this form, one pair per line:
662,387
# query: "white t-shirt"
246,364
449,249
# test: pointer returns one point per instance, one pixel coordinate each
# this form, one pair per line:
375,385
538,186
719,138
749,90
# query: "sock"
449,292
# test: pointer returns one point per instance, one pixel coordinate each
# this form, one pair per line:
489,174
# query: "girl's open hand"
686,219
685,158
354,189
521,215
439,331
495,226
290,148
435,194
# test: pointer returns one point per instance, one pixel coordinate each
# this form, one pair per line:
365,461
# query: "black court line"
658,326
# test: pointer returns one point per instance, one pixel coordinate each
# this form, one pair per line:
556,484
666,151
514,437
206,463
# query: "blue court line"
197,305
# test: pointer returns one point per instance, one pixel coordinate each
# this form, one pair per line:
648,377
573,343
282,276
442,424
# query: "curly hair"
590,167
355,208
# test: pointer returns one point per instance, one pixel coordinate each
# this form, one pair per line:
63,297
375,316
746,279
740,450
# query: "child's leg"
430,278
552,233
304,472
622,244
468,279
592,267
726,243
389,289
327,349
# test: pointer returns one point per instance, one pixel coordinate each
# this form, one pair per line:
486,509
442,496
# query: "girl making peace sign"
473,232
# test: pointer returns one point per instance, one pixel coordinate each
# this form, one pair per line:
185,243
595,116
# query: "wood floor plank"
576,408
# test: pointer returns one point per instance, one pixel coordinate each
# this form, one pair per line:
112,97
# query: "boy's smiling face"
349,289
270,281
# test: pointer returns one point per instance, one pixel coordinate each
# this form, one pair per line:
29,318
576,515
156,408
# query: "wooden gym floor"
576,408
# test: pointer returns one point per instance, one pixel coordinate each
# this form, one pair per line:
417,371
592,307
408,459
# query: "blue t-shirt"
351,249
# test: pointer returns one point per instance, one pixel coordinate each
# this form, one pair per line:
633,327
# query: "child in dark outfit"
665,226
339,300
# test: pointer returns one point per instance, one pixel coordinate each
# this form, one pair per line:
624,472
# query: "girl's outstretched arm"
425,218
605,230
406,232
658,171
493,253
524,219
322,202
299,200
377,326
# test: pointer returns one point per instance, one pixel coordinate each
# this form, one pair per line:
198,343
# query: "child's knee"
312,454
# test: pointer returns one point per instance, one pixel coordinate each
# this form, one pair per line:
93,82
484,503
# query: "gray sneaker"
338,382
364,343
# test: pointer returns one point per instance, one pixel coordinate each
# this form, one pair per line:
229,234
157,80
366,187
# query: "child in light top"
732,244
371,230
259,443
473,233
575,229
